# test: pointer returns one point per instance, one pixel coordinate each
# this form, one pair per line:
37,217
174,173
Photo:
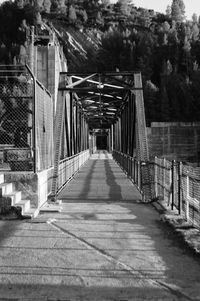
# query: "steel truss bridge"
42,136
111,106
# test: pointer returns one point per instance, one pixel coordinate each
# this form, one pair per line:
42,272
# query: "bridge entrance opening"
102,142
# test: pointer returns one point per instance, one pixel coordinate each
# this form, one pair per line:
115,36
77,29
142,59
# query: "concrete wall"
178,141
34,187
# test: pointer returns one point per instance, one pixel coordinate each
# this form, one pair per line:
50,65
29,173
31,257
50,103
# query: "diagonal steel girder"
72,85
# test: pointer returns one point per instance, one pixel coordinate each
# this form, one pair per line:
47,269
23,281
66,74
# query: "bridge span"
45,140
107,242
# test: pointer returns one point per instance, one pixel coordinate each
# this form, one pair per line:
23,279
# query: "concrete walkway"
104,245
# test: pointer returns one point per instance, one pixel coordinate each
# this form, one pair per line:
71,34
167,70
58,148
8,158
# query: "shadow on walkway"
100,180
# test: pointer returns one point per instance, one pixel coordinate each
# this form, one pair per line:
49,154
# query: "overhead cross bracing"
100,96
100,106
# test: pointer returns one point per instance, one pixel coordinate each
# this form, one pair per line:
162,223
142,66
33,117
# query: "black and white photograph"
99,150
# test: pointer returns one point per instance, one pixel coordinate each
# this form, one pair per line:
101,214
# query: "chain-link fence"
44,127
179,186
26,121
16,119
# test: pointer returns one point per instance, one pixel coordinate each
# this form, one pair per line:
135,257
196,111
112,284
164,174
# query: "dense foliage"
165,47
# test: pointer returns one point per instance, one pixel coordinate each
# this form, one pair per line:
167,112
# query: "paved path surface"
104,245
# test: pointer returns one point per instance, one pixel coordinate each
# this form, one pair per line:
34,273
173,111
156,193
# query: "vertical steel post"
134,171
187,206
173,184
138,174
163,182
34,127
179,187
156,176
31,47
34,142
131,167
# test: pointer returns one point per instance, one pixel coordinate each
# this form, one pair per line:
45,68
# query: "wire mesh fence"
26,121
190,193
176,184
179,186
16,119
43,128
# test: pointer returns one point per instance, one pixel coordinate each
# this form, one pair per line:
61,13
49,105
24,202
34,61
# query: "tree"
168,10
54,5
124,7
105,2
85,16
99,19
178,10
39,5
62,7
166,27
92,8
109,54
195,32
72,15
20,3
47,6
194,18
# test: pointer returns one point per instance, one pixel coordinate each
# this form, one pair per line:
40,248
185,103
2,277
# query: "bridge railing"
172,183
68,167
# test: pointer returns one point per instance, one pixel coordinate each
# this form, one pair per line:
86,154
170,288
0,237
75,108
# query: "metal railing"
136,170
172,182
68,167
179,186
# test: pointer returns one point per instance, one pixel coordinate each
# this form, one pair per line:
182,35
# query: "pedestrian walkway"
105,245
101,179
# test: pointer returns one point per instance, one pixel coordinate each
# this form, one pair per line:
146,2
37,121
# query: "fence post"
139,175
155,176
34,127
134,170
179,187
131,167
164,178
187,198
173,184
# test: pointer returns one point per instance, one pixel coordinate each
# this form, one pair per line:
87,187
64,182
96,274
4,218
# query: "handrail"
71,157
169,181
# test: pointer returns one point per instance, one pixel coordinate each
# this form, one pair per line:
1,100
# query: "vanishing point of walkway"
105,244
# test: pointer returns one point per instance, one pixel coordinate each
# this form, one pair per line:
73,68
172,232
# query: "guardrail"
68,167
179,186
131,167
172,182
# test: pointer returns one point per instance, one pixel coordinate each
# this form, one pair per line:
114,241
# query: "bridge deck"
105,245
101,179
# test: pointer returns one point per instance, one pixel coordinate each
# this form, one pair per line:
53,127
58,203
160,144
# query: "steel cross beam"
101,84
72,85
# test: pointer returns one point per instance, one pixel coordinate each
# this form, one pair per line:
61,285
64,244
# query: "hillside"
80,46
103,37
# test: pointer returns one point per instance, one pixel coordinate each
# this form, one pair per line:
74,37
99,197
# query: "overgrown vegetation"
165,47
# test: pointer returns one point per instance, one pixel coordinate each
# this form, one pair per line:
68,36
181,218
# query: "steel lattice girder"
100,96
